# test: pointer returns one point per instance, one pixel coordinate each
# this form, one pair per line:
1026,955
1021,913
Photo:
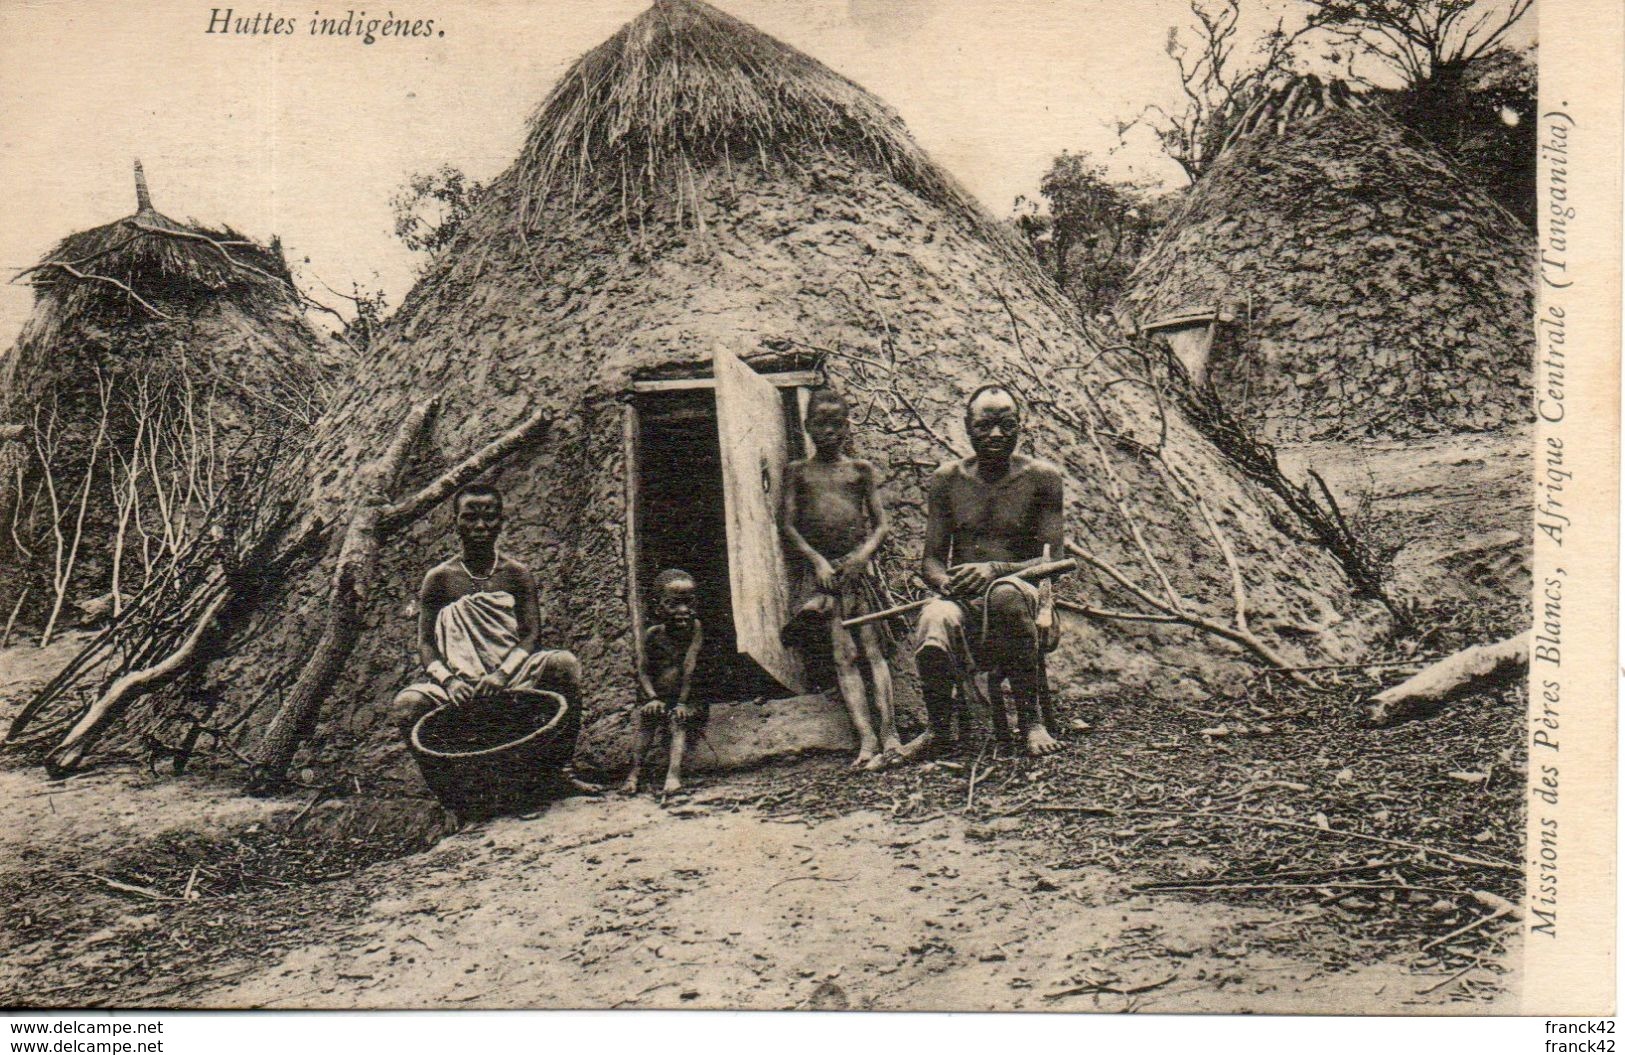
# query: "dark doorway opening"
682,523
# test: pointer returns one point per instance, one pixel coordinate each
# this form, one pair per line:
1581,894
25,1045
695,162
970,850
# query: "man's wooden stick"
1047,570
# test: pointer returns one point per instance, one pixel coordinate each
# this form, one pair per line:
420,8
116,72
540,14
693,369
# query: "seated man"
987,517
477,624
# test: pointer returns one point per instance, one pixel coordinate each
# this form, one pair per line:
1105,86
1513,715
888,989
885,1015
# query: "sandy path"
621,904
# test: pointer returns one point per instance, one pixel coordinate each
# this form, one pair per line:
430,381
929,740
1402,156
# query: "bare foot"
672,786
630,786
582,787
1040,742
884,760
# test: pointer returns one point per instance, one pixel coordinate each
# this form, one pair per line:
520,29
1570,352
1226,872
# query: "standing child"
671,650
833,518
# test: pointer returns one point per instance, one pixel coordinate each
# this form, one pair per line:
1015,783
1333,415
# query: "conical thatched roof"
689,183
150,262
1364,289
137,322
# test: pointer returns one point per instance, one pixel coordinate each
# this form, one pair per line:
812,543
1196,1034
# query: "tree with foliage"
1425,42
1089,230
1459,84
431,206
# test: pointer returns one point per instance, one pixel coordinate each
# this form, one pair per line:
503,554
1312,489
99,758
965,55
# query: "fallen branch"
1310,873
1348,887
1173,612
1423,692
1091,986
1107,614
220,247
1276,822
1453,978
1498,903
126,690
129,888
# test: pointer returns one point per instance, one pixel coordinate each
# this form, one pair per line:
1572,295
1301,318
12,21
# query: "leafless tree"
66,513
1218,78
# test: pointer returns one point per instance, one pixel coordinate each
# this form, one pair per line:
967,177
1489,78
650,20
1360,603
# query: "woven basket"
489,759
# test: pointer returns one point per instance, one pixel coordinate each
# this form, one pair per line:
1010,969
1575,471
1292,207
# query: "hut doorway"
705,458
1190,335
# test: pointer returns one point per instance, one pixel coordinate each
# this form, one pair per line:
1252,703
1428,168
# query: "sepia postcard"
847,505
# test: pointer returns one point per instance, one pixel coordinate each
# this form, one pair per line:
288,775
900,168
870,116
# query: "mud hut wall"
1376,294
834,264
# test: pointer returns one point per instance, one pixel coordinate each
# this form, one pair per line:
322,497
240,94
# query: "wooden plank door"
755,448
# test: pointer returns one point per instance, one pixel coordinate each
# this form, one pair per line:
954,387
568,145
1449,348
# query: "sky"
308,137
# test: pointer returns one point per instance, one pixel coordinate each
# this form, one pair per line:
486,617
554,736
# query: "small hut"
703,225
1335,278
161,363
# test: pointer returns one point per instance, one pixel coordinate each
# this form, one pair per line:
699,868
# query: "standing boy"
834,519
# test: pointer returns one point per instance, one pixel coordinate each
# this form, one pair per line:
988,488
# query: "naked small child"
671,652
834,519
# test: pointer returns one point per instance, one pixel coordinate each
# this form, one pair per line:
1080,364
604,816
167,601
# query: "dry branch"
11,621
82,276
352,582
220,247
1047,570
1426,690
126,690
1178,613
394,517
1277,822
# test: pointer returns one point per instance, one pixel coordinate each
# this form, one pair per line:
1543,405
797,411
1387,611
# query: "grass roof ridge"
684,89
160,259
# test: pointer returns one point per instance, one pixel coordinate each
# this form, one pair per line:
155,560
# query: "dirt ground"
628,903
1263,853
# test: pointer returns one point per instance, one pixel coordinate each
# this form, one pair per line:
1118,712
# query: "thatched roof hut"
690,184
1334,277
160,359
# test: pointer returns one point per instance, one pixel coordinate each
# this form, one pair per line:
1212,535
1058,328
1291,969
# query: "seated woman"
477,626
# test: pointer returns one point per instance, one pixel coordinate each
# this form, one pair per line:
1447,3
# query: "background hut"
1334,277
162,364
693,194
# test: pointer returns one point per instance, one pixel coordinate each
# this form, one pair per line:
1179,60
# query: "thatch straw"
685,90
149,259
